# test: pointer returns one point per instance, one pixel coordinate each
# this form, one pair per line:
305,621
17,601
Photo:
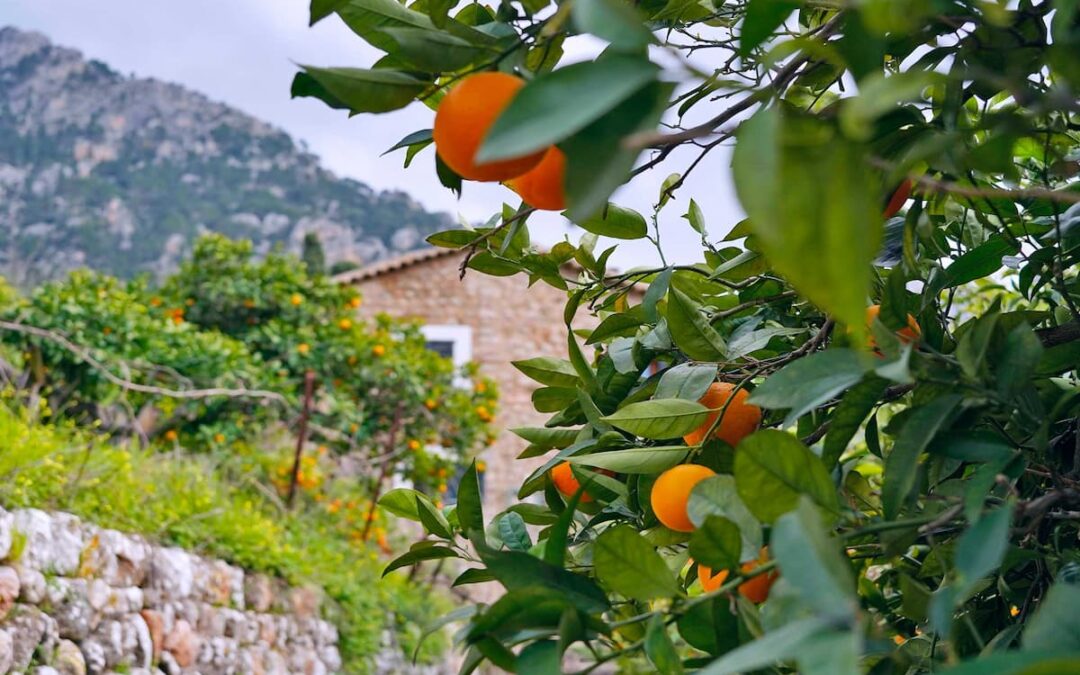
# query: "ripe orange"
896,202
739,421
755,590
464,117
909,334
542,188
566,483
671,493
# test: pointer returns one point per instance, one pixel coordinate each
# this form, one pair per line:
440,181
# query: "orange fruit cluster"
740,418
755,590
465,116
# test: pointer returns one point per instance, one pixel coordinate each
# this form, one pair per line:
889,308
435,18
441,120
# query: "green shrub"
195,501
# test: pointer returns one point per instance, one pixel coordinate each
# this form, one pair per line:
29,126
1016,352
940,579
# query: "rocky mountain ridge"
121,173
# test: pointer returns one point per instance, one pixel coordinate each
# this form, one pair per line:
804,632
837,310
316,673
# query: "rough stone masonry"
75,599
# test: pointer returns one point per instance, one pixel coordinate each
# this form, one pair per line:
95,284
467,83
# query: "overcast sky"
243,52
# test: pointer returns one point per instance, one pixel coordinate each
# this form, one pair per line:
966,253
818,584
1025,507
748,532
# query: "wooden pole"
305,413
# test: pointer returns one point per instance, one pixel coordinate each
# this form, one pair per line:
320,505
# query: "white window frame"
462,351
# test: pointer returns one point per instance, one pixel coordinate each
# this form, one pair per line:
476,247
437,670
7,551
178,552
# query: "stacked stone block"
77,599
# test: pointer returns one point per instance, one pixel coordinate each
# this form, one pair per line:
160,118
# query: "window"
453,342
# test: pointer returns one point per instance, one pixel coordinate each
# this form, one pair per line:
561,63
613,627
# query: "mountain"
120,174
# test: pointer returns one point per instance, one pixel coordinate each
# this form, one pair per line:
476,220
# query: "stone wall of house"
75,598
510,321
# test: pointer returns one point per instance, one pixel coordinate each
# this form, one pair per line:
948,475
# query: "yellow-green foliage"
189,501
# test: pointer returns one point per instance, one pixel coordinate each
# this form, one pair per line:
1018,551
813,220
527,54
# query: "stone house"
490,320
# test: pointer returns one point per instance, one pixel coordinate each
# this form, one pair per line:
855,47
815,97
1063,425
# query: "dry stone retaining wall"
76,598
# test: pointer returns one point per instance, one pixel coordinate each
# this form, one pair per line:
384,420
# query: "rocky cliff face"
120,173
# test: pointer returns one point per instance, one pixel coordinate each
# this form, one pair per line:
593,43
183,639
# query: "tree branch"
128,385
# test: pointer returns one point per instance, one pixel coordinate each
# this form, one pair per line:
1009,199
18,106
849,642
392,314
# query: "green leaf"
549,371
469,502
517,570
433,520
473,576
453,238
687,381
811,561
717,544
979,262
981,548
902,463
659,418
401,502
717,496
370,19
879,94
553,399
782,644
520,609
635,460
762,18
1019,663
857,403
434,51
579,362
744,340
710,626
971,446
538,116
1020,357
1055,626
772,469
743,266
1058,359
539,658
695,217
320,9
547,438
659,649
513,533
368,91
598,161
627,564
439,10
656,292
419,554
973,345
836,652
806,383
616,222
691,331
304,85
422,136
617,325
613,21
813,206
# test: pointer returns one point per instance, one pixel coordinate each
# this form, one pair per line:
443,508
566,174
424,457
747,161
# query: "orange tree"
909,499
216,357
